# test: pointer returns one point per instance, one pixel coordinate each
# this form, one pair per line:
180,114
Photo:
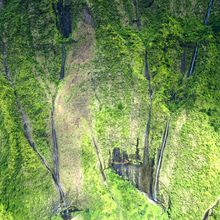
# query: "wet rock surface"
123,166
87,16
64,18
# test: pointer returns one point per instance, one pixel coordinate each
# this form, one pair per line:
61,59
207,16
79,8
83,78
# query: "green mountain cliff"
109,109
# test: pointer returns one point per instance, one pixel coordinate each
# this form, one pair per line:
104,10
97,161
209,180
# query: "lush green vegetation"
24,180
115,198
105,85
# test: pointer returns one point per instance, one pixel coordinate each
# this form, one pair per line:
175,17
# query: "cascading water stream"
195,53
160,158
27,132
208,12
62,71
209,211
56,157
193,62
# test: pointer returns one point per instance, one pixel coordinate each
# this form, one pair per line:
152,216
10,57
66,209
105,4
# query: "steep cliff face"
99,115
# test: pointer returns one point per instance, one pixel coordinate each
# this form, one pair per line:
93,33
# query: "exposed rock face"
116,155
130,172
124,168
87,17
64,18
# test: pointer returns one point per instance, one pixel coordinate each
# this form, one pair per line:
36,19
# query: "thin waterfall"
193,62
208,12
26,127
195,53
56,157
160,158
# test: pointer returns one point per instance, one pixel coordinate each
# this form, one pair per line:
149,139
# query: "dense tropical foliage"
103,103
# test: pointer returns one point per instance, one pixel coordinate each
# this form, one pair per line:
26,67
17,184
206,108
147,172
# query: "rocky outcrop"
128,170
87,15
64,18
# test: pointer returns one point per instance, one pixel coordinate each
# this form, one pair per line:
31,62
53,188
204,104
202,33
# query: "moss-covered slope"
103,102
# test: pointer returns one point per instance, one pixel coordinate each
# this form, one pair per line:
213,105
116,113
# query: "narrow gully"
62,11
137,15
160,158
183,61
62,71
56,157
101,166
193,62
148,163
147,132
